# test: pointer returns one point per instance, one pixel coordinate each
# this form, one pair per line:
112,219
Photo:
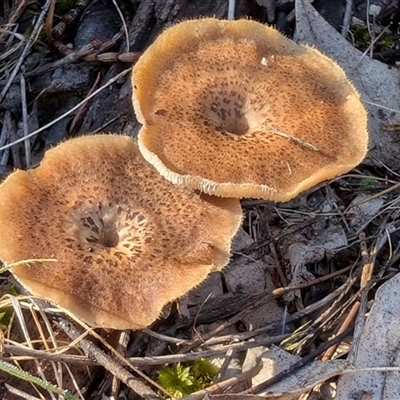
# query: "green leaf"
13,370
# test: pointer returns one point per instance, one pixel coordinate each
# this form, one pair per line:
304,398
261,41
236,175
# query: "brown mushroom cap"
127,241
235,109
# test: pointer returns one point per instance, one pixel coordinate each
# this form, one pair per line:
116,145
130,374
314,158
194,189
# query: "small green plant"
7,312
386,42
366,182
182,379
5,317
362,39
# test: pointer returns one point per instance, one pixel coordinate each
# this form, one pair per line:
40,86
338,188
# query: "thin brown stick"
222,350
70,111
296,366
312,308
368,259
25,51
347,18
218,387
121,349
291,230
77,120
21,5
20,393
49,21
280,395
274,253
20,353
27,143
5,136
224,367
281,291
259,300
350,318
110,364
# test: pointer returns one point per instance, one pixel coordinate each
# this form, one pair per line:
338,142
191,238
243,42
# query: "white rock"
378,347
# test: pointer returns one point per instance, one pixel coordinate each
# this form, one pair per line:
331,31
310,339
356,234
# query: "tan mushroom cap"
235,109
127,241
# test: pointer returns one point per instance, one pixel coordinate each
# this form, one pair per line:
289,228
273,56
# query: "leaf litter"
321,266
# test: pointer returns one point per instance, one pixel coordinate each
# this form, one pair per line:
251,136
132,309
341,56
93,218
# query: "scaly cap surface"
127,241
235,109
